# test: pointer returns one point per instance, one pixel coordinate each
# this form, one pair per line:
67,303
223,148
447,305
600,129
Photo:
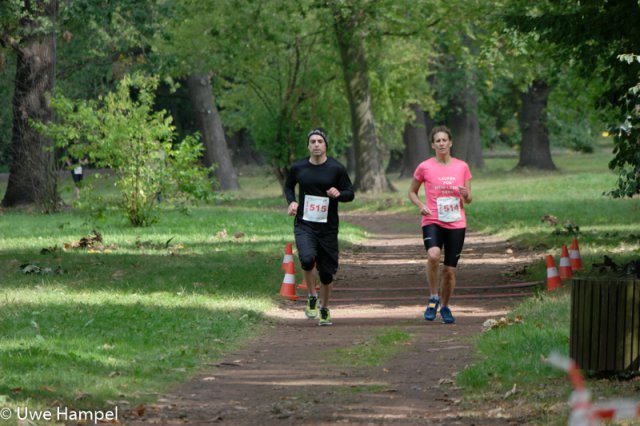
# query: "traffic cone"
553,279
565,264
288,256
574,256
303,285
288,288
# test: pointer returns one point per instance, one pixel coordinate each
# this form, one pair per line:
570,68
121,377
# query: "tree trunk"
465,127
242,150
416,142
370,176
351,159
211,130
394,165
535,150
33,174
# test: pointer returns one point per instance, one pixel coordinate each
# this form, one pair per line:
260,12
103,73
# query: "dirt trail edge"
284,377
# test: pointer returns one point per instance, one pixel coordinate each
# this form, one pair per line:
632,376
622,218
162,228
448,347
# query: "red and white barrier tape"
583,412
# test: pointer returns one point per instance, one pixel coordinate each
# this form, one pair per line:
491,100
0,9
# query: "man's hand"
293,209
333,192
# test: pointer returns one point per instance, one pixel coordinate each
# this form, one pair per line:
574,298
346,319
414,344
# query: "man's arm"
290,193
345,187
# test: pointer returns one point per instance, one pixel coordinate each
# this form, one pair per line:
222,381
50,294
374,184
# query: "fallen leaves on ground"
139,410
502,322
92,242
550,219
30,268
512,392
50,250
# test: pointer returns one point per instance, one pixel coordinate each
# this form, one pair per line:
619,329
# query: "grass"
152,306
511,357
141,310
373,352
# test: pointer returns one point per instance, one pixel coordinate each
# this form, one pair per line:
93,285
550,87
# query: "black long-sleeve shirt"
316,179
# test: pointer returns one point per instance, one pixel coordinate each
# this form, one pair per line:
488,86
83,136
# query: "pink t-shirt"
443,197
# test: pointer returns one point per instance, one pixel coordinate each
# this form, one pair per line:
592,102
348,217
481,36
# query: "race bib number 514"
449,209
316,209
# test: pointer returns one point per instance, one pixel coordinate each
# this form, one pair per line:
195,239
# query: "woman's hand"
465,193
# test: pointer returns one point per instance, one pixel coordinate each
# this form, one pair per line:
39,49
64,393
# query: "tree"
189,44
535,151
416,141
271,70
212,133
370,176
33,176
465,125
456,79
594,35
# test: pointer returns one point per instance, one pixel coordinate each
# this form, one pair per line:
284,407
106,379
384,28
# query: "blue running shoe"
447,316
432,309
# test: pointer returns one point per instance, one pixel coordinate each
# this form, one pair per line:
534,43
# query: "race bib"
316,209
77,170
449,209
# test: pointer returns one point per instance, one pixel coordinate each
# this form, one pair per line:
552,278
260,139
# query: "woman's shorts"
451,239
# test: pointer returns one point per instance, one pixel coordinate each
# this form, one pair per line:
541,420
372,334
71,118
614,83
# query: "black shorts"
451,239
77,177
316,245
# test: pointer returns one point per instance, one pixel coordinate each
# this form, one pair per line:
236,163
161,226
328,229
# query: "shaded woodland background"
250,78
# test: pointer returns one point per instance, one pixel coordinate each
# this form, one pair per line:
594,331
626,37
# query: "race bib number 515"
316,209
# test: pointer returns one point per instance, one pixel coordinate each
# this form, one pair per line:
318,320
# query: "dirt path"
283,378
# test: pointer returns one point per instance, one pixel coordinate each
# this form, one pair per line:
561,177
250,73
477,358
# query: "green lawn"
150,306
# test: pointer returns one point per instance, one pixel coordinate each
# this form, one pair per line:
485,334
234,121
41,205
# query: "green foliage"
263,58
594,35
121,132
573,122
276,67
627,142
627,159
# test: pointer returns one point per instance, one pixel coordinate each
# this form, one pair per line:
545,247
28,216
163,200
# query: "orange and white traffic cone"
565,264
574,256
288,256
288,288
553,279
303,285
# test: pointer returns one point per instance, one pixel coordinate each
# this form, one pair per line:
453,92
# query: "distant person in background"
322,183
447,187
77,174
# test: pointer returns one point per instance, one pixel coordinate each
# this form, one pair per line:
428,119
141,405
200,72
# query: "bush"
120,131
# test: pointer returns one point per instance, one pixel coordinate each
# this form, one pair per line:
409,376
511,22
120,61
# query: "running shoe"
447,316
432,309
311,311
325,317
